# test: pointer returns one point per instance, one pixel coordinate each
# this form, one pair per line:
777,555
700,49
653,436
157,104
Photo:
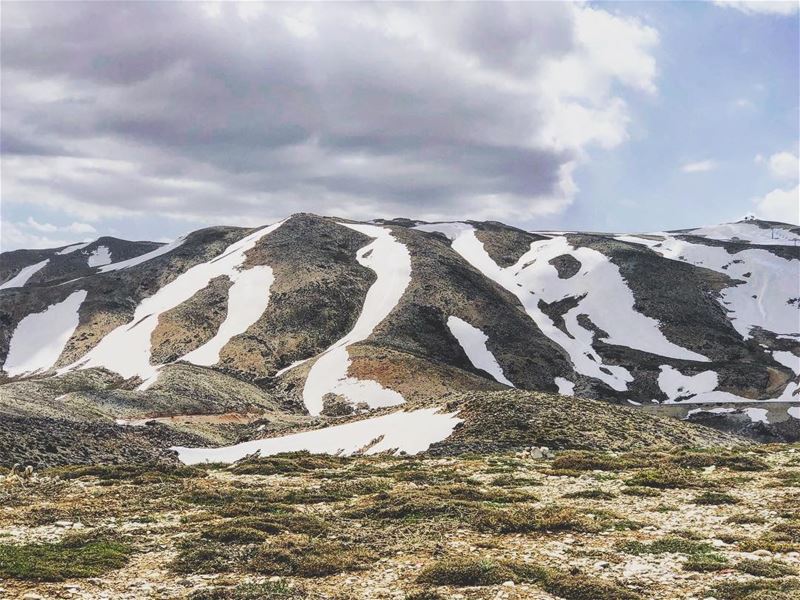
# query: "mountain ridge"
340,317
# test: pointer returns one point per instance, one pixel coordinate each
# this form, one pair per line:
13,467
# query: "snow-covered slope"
410,432
335,315
329,374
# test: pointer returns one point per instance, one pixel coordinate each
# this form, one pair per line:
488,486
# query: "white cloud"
33,234
784,165
761,7
780,205
702,166
743,104
210,113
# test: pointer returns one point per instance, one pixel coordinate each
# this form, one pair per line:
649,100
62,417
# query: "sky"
147,120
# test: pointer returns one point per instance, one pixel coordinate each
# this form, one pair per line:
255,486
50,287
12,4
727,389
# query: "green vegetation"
591,495
273,590
667,545
473,571
288,463
526,519
463,571
307,557
704,563
766,568
715,499
56,562
134,474
664,478
729,459
759,589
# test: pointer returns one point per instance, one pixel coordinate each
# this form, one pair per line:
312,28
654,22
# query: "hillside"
229,334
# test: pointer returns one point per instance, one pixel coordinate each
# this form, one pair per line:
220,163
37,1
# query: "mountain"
229,335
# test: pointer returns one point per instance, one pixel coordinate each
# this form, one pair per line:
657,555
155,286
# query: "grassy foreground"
580,526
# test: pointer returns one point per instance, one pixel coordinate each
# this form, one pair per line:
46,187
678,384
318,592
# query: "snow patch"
676,385
409,432
757,415
452,230
768,283
717,411
21,278
701,389
473,342
391,262
248,298
599,287
788,359
39,338
126,350
794,411
137,260
101,256
748,232
565,386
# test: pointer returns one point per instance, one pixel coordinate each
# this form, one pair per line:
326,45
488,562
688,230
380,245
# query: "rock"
336,405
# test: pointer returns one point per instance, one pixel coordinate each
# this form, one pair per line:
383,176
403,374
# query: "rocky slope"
315,318
578,526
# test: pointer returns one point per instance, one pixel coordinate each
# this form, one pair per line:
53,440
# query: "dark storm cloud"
208,111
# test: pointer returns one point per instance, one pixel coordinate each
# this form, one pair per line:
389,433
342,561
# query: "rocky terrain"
577,525
232,335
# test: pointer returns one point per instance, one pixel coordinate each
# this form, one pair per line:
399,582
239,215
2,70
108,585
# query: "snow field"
473,342
126,350
39,338
101,256
409,432
391,262
21,278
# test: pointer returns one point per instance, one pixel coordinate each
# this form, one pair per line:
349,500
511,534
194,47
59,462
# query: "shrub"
705,563
715,499
463,571
759,589
407,506
663,478
307,558
56,562
273,590
526,519
720,458
591,495
288,463
129,473
766,568
667,545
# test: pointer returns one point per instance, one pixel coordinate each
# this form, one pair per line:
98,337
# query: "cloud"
32,234
784,165
702,166
761,7
226,112
780,205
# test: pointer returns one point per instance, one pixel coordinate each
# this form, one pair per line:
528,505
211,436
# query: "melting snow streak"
137,260
473,341
22,277
100,257
126,350
410,432
599,290
392,264
39,339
